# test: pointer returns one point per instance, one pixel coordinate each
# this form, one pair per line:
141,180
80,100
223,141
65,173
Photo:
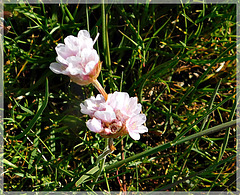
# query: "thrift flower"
77,59
119,115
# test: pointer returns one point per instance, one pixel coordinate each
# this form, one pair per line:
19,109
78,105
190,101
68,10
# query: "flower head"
119,115
77,58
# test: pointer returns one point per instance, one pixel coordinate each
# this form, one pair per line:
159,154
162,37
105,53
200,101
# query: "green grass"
169,56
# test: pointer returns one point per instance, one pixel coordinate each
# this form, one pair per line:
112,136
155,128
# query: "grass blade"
35,118
170,144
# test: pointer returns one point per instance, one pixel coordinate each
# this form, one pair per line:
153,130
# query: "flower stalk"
101,160
110,144
99,87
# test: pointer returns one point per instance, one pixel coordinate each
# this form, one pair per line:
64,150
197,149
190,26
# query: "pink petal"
58,68
135,125
118,99
142,129
91,105
85,40
83,34
74,65
94,125
135,136
107,115
72,43
134,107
127,106
89,59
63,51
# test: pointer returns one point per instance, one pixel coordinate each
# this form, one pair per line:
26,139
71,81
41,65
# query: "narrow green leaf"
87,175
226,137
69,13
212,64
211,102
160,69
6,162
210,168
23,108
170,144
19,174
201,118
37,115
189,91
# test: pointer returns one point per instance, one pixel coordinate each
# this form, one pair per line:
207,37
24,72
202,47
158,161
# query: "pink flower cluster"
119,115
77,58
112,115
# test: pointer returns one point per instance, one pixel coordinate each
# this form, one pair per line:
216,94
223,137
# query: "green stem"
170,144
105,36
102,162
104,154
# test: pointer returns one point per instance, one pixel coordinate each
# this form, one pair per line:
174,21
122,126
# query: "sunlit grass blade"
213,63
226,137
211,103
173,143
202,117
160,69
188,92
87,175
229,159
